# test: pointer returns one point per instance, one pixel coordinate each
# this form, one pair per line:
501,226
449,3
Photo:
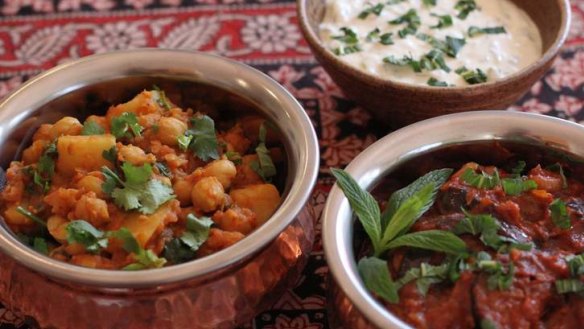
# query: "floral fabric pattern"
36,35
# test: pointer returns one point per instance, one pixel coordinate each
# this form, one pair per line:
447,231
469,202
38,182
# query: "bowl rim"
302,184
316,44
384,155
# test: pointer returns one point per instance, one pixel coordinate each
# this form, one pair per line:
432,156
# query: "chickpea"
224,170
182,189
92,209
208,194
67,126
57,227
134,155
169,129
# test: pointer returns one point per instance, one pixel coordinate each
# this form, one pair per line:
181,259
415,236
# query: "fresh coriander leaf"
569,286
377,278
111,180
234,157
443,21
435,240
40,245
143,197
363,204
82,232
130,244
376,9
516,186
125,125
266,168
92,128
484,225
437,178
163,169
482,180
465,7
45,168
204,143
556,167
474,31
184,141
472,77
437,83
111,155
136,175
31,216
560,215
412,20
160,98
182,249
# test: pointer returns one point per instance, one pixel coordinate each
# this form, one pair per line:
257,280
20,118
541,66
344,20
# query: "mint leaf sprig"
390,230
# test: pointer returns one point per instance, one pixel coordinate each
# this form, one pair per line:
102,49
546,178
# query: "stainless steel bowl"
218,291
349,302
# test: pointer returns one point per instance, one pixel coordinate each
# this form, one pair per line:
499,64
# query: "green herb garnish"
436,83
516,186
443,21
160,98
264,166
390,229
182,249
92,128
163,169
450,46
560,216
429,2
465,7
201,138
376,10
126,125
139,191
472,77
556,167
474,31
82,232
412,20
111,155
21,210
482,180
234,157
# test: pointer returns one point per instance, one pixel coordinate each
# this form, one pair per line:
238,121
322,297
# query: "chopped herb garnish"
45,168
201,138
472,77
482,180
390,230
111,155
465,7
429,2
474,31
412,20
139,191
126,125
560,216
234,157
163,169
264,166
182,249
488,324
443,21
516,186
376,9
569,286
341,51
373,35
349,36
386,39
436,83
82,232
450,46
431,61
425,275
92,128
161,99
21,210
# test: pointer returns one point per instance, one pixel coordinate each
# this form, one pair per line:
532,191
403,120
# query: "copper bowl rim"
396,148
316,44
240,75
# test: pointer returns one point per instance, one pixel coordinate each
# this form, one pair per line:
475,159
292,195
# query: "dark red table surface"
36,35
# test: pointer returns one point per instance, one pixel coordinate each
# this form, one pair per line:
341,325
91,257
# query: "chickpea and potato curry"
147,185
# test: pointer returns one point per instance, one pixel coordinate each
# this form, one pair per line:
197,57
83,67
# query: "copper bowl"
398,104
349,303
218,291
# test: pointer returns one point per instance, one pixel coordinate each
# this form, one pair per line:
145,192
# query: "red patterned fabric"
38,34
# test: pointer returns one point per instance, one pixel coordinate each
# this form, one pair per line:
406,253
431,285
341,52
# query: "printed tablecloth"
36,35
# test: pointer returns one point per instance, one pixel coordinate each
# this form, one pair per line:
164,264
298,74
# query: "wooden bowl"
398,104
